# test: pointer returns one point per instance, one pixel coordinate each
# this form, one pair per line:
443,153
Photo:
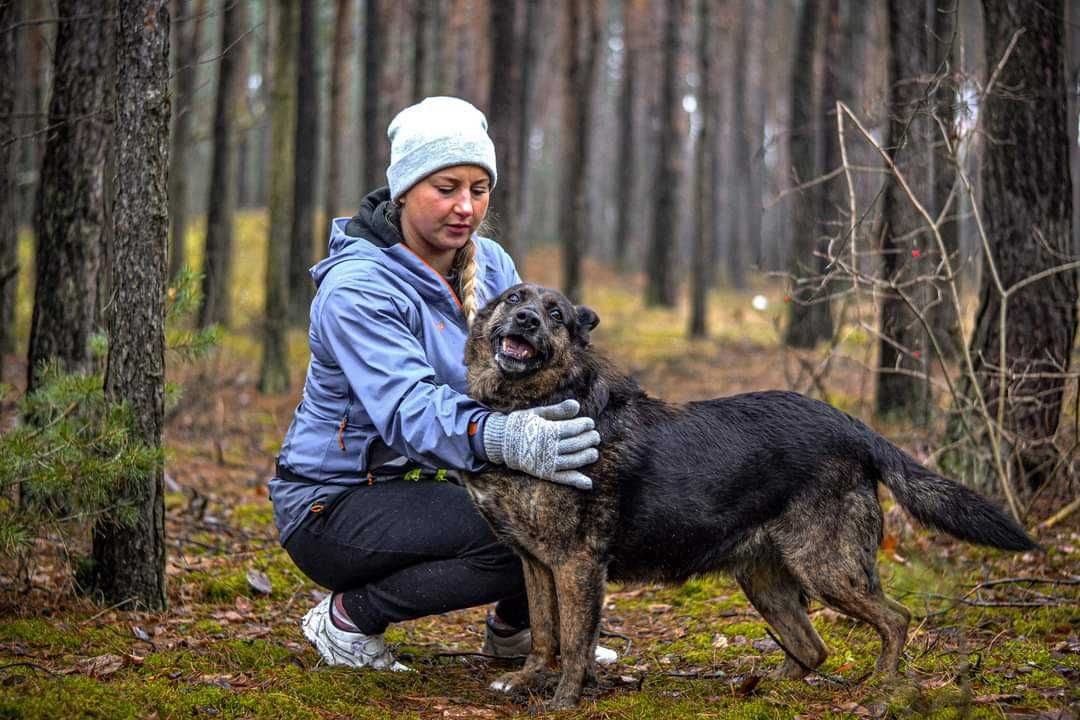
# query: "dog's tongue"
517,348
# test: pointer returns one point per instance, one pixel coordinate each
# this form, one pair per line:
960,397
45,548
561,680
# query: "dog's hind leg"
580,585
543,622
843,574
777,595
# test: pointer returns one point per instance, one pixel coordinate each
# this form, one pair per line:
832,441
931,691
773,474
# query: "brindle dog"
773,487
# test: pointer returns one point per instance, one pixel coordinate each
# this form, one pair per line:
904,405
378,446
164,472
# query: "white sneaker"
341,647
520,643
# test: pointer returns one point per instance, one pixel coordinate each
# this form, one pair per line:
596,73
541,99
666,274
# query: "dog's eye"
513,298
556,314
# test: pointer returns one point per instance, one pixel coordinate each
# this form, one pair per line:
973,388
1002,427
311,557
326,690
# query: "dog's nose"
527,318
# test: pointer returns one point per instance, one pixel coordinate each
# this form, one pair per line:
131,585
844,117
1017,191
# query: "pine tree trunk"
187,34
374,132
738,243
420,41
339,91
1073,83
661,288
627,155
221,202
809,316
576,119
944,48
440,76
129,562
504,123
70,209
274,375
530,52
306,164
902,351
9,216
1027,211
704,205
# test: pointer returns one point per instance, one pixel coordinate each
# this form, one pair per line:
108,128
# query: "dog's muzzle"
518,346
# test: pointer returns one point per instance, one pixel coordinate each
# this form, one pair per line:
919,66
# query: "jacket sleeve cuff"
493,432
476,437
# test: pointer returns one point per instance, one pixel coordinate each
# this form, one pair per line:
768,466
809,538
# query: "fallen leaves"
259,581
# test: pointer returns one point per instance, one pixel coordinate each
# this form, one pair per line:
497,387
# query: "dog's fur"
773,487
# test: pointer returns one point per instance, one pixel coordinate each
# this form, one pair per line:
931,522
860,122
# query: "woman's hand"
548,442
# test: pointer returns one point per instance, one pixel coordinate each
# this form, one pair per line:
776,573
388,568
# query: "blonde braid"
465,262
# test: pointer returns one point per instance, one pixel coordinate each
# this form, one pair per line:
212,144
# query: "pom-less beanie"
436,133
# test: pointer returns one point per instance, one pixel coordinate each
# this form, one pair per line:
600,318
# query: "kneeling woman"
363,496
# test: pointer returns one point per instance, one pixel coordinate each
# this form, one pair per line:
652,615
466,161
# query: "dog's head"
523,344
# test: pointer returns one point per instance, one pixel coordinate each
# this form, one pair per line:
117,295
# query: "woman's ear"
586,321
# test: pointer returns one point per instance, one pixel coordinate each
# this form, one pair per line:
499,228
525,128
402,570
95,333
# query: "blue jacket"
385,387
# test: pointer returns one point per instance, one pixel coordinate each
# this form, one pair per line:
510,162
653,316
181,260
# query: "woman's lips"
458,229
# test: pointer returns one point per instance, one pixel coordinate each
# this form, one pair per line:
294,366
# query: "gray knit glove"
548,442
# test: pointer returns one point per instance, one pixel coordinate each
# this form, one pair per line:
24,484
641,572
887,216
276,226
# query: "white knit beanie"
436,133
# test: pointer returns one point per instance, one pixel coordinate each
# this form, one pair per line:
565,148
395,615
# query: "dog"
775,488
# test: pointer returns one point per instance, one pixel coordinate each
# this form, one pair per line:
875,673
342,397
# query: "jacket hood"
368,230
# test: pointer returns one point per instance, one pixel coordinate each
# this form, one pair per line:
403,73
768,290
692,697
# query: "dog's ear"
586,321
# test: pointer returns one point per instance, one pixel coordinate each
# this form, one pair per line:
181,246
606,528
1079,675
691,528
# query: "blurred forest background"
869,201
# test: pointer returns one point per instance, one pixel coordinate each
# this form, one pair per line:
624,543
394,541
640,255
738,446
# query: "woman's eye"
556,314
445,190
480,192
513,298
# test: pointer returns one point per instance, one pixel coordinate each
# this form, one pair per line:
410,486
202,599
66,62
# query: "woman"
360,494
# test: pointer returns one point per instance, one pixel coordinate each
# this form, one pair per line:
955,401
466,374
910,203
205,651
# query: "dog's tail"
947,505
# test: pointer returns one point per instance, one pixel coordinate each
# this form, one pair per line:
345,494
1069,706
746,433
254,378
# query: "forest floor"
230,644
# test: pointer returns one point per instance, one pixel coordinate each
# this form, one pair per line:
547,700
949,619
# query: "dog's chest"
546,519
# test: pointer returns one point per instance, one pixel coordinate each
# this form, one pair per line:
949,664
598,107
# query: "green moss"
33,698
68,636
254,516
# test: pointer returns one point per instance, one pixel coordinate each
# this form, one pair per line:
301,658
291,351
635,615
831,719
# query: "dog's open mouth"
517,347
516,355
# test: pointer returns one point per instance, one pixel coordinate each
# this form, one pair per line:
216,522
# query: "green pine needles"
73,456
70,463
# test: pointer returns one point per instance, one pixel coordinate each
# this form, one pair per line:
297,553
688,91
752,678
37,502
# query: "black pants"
401,550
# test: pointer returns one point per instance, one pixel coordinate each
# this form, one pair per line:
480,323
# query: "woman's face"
440,213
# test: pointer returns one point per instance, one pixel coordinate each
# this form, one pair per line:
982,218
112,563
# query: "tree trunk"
738,242
704,197
420,40
632,10
505,105
809,316
529,60
339,90
662,286
221,202
187,31
943,319
1073,80
302,252
902,389
439,77
577,118
9,216
1027,211
274,375
129,562
70,215
374,137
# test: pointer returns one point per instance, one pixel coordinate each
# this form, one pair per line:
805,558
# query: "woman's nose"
464,206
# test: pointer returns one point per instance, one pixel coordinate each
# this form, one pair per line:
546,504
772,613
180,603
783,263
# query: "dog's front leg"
543,616
580,585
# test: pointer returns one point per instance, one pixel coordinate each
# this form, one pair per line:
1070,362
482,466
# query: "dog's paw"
520,682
